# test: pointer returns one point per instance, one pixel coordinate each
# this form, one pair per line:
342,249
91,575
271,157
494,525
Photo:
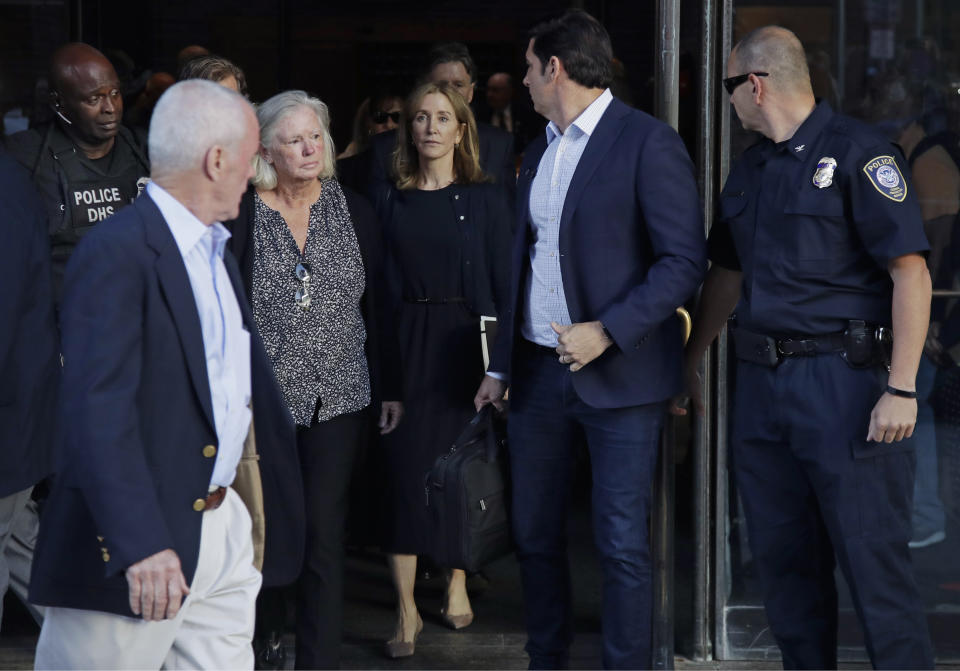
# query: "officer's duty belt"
769,351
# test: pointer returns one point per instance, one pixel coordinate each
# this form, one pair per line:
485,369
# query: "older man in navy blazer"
610,241
145,556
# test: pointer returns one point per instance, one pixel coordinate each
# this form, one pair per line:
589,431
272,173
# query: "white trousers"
212,630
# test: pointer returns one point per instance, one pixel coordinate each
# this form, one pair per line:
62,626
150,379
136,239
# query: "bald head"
777,51
85,94
73,60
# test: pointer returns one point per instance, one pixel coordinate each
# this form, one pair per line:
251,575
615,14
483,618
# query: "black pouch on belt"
756,348
859,350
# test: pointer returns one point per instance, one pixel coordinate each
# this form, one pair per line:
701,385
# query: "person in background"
215,69
85,163
29,368
500,100
380,113
506,112
933,154
190,52
376,114
309,254
138,114
447,229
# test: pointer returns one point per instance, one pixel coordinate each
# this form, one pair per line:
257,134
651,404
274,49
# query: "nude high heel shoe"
398,649
456,621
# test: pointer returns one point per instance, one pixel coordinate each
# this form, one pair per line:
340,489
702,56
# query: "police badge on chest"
823,177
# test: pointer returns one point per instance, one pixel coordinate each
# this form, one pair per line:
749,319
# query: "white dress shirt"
226,342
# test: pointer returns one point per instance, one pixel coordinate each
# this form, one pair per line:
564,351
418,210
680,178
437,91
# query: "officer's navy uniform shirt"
813,258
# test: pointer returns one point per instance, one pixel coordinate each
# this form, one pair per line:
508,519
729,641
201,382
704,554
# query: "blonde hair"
466,155
270,113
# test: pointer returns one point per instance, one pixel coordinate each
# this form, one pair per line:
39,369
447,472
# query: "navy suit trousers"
815,492
546,418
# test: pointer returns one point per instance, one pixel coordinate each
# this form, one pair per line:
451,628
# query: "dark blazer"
632,250
496,159
381,346
527,124
136,414
29,352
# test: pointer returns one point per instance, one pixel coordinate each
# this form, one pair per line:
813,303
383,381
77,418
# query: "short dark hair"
214,69
578,41
451,52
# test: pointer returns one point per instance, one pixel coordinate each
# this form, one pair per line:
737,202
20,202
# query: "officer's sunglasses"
731,83
381,117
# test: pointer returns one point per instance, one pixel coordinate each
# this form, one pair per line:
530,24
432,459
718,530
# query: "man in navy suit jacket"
609,243
29,367
145,555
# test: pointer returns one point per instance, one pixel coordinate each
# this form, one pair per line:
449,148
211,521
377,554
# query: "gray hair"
270,113
190,117
778,51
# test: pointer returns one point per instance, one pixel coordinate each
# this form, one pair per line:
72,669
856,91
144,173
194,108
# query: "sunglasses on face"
381,117
731,83
302,295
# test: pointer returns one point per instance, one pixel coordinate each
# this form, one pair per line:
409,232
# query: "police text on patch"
886,177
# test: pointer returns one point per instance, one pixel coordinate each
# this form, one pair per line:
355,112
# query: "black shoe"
269,653
477,583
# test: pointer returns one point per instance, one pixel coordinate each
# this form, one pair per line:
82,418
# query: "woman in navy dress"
447,232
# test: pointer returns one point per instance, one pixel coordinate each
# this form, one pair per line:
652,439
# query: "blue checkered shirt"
545,299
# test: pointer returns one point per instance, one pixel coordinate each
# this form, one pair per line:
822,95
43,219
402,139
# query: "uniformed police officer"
820,239
85,163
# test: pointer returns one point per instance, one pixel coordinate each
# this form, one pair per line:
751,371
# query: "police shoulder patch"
885,176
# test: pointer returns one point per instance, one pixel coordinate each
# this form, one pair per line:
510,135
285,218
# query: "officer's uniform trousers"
212,630
812,486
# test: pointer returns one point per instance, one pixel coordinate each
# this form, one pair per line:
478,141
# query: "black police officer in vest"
85,163
819,245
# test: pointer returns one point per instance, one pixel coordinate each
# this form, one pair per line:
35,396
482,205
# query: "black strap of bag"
480,428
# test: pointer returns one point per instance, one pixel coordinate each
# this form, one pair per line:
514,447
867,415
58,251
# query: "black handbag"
467,496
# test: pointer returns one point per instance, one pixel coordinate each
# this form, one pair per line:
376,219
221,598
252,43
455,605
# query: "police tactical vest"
80,192
92,190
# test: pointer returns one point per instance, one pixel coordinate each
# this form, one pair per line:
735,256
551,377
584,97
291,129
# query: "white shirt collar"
588,119
187,230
